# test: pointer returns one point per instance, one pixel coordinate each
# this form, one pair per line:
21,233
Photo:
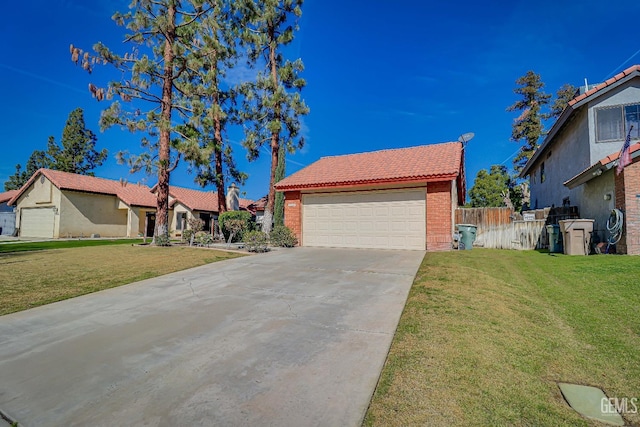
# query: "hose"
614,226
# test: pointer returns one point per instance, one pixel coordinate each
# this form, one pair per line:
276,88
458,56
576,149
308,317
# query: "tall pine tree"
565,94
527,127
211,54
159,31
272,104
77,153
278,212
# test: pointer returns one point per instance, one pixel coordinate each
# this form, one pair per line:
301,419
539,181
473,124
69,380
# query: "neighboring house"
56,204
186,203
7,215
391,199
257,208
575,163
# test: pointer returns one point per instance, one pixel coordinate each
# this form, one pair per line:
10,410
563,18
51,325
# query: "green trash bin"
467,235
555,239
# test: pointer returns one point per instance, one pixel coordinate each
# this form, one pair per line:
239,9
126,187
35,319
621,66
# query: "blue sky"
380,74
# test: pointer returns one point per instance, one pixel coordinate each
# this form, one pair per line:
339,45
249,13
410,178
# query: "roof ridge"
390,149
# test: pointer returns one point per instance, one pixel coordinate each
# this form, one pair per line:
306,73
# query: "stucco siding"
83,214
564,159
628,93
592,202
42,193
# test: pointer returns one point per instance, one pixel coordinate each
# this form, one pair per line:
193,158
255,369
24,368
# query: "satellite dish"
464,138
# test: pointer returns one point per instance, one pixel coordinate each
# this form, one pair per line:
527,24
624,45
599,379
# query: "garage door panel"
383,219
37,222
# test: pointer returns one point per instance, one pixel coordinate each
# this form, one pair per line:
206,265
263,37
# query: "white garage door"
382,219
37,222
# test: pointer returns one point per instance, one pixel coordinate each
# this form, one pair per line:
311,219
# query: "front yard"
487,334
30,279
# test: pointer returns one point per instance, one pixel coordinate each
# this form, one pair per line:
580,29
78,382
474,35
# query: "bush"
283,236
186,235
203,238
243,216
255,241
162,240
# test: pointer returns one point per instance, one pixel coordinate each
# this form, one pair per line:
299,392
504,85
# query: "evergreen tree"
211,54
272,103
151,73
565,94
528,128
490,188
78,153
278,213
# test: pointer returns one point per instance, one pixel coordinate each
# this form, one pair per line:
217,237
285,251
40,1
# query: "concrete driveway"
290,338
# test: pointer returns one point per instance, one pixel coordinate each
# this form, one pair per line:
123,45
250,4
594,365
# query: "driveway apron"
293,337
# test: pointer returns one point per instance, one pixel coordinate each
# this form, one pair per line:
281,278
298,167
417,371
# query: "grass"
30,279
486,335
62,244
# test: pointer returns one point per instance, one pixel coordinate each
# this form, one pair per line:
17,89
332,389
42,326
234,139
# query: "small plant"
226,217
255,241
283,236
162,240
202,238
233,227
187,236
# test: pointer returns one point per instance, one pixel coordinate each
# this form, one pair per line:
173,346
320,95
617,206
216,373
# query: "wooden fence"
502,228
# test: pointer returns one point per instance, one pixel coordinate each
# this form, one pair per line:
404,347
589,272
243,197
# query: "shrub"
255,241
186,235
203,238
243,216
283,236
162,240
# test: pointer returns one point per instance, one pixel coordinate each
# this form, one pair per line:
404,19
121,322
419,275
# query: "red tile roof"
422,163
587,174
196,200
131,194
8,195
599,87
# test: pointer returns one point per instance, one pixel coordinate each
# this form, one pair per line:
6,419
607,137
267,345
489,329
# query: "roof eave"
595,171
315,186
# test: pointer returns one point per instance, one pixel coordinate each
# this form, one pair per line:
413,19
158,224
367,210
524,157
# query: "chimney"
233,198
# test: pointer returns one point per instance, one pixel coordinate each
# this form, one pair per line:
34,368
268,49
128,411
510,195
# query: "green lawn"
30,279
63,244
487,334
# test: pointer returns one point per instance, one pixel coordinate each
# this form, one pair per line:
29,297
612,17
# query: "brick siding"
628,201
439,220
293,213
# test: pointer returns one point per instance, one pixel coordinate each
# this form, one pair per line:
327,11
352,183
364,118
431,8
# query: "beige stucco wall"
178,208
84,214
42,193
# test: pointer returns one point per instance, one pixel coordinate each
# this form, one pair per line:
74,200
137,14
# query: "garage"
402,198
37,222
371,219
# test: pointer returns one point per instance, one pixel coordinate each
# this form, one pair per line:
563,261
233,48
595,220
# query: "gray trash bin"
467,235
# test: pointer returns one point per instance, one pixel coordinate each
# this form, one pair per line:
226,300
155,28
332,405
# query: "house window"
181,220
542,174
613,123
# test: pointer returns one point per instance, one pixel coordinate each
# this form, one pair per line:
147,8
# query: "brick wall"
439,216
293,213
627,200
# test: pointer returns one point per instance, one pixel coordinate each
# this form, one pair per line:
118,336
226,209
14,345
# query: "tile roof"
8,195
131,194
599,87
196,200
608,162
574,105
425,162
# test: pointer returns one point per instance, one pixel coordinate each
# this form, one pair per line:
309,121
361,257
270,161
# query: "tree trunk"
164,150
222,200
275,140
